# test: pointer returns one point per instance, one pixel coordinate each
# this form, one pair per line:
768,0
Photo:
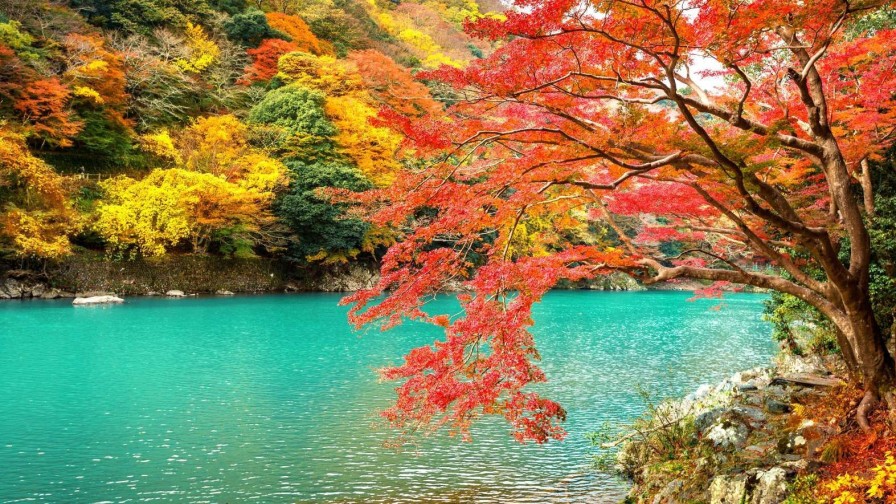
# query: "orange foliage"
265,58
393,85
298,31
93,66
43,104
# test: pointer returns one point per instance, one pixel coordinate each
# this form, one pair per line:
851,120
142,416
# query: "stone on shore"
95,300
175,293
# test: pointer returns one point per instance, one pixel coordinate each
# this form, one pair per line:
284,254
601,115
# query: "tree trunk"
875,362
867,188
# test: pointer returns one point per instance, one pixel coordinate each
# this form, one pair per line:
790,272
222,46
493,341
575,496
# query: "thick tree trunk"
877,367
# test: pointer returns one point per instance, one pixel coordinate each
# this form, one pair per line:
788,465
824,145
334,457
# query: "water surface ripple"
273,398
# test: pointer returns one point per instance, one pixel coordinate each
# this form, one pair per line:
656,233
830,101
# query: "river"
274,398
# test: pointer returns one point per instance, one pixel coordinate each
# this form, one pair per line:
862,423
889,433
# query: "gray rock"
95,300
777,407
728,434
50,294
705,420
729,489
754,416
38,290
222,292
795,364
10,288
175,293
771,487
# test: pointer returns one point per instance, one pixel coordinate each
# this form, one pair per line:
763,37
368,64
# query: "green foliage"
231,7
878,19
297,117
883,242
318,225
800,327
802,490
249,28
108,143
142,16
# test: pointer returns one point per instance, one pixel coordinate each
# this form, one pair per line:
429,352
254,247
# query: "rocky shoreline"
83,276
742,441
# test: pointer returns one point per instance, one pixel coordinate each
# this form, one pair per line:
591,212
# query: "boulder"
771,486
777,407
728,433
222,292
95,300
10,288
729,489
175,293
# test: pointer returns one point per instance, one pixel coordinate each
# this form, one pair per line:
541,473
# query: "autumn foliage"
705,139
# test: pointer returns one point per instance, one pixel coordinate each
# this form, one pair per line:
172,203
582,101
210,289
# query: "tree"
372,148
320,228
177,207
296,118
36,218
298,32
249,28
142,16
265,58
601,105
43,105
392,85
202,52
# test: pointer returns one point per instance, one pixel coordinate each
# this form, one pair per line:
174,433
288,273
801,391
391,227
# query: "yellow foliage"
160,145
431,52
37,218
219,145
372,148
38,234
880,485
203,52
175,206
212,144
89,93
323,73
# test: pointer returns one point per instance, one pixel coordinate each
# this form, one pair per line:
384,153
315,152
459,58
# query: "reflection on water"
273,399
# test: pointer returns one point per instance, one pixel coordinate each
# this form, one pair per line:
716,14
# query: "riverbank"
764,436
86,274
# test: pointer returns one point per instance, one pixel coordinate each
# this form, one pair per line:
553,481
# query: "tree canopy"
739,133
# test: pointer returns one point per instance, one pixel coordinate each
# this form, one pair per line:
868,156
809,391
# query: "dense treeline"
147,127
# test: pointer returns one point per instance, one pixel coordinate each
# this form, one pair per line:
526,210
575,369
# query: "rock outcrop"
743,444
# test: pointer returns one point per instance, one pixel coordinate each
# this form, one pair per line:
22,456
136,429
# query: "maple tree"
43,104
738,130
265,58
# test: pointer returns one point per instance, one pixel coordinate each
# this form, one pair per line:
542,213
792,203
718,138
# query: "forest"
139,129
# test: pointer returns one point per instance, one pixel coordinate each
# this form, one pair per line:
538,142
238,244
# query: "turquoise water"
274,398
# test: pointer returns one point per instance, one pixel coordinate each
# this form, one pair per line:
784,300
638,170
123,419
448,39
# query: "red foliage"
597,106
265,58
